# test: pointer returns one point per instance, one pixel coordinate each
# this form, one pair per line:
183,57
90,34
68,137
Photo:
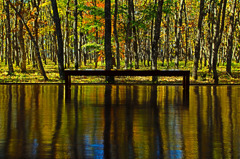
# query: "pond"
119,121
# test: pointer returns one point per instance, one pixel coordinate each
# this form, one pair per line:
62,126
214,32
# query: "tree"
135,47
210,33
66,39
59,37
199,37
35,4
186,32
75,34
231,31
107,45
34,42
96,36
218,31
8,29
128,36
21,41
116,34
157,32
178,25
167,49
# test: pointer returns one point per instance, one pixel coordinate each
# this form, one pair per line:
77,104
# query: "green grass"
33,74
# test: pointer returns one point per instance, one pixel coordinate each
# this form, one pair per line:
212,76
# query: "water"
119,121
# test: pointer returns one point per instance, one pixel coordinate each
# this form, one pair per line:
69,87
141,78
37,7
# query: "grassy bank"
33,75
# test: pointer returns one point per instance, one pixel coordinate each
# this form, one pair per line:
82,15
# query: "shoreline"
160,84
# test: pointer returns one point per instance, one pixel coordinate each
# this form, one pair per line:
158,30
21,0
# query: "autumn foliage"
135,24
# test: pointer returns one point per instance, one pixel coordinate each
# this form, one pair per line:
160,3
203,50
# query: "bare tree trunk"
9,46
75,34
80,47
186,33
157,33
128,35
6,46
22,48
199,37
96,37
210,34
16,44
85,53
107,45
115,32
35,4
66,39
13,36
218,29
2,47
167,37
178,24
43,50
135,47
55,50
230,37
59,38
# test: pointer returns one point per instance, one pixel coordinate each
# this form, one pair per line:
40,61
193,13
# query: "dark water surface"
119,121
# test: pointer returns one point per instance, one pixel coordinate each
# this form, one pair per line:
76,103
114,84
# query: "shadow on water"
119,121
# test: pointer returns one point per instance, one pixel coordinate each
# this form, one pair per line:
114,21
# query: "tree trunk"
80,47
96,37
178,24
230,38
75,35
59,38
55,50
210,34
22,48
2,47
157,32
16,44
36,25
218,29
107,45
199,37
115,32
9,46
186,32
135,47
6,48
167,46
66,39
128,35
43,50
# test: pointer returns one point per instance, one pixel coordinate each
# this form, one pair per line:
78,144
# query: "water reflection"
119,121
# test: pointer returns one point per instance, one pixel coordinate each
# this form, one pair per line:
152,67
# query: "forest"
41,38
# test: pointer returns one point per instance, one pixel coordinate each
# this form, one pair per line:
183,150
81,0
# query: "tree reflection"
75,134
129,122
58,125
9,121
119,121
107,119
116,124
159,143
